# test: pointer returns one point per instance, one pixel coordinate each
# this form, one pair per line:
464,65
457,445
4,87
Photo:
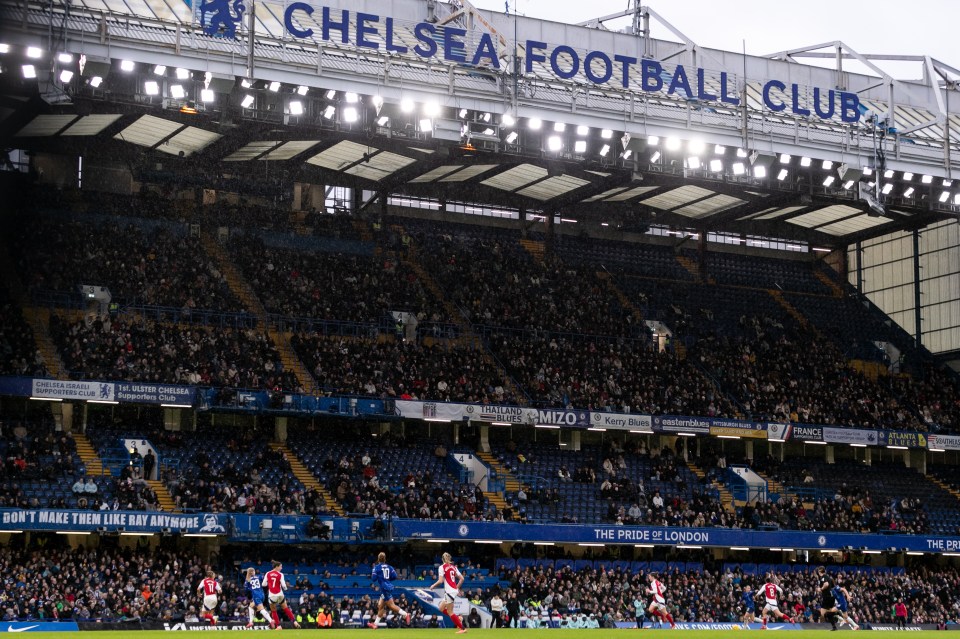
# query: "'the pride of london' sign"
598,67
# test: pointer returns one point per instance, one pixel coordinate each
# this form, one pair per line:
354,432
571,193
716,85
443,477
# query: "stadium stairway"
693,268
726,497
241,288
829,283
945,486
164,497
88,455
467,336
305,477
510,481
38,319
614,290
776,488
793,312
536,249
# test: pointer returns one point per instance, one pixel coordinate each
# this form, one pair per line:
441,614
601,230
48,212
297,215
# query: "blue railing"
330,327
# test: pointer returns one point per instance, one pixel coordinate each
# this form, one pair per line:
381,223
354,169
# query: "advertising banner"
111,520
38,626
500,414
65,389
850,436
679,424
551,417
155,393
431,410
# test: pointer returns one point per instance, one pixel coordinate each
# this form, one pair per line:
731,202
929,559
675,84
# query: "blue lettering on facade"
598,67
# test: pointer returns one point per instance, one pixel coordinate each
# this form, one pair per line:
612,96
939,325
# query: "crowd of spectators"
618,375
18,350
107,584
141,350
332,286
155,267
396,369
715,594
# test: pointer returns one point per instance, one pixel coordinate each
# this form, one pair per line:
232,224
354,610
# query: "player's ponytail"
447,558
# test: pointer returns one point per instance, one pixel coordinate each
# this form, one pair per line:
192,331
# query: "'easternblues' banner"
850,436
63,389
155,393
680,424
130,521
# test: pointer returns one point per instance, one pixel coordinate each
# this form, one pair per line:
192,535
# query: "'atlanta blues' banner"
898,438
111,520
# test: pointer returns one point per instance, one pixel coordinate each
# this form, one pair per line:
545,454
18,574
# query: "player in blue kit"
383,576
749,606
842,596
255,591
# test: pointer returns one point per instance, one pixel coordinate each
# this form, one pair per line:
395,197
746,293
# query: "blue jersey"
748,601
841,598
383,575
254,589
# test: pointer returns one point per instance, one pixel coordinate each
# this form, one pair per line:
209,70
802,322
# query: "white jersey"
657,591
451,576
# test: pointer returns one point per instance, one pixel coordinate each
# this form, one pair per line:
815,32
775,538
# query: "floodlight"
207,95
848,184
580,146
655,156
302,90
693,162
887,188
382,120
888,173
407,105
330,94
696,147
784,158
350,114
246,84
29,71
805,161
431,109
507,120
151,88
604,150
66,76
760,172
739,168
583,130
182,74
296,107
426,125
606,134
65,58
742,153
719,149
559,127
672,144
827,181
907,177
944,196
534,123
96,81
127,65
653,140
159,70
927,179
329,111
827,165
247,101
908,192
34,52
716,166
352,98
274,86
4,48
782,175
554,143
177,92
462,113
512,137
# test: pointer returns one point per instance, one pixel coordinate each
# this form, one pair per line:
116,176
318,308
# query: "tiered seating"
18,351
143,263
401,478
647,260
764,272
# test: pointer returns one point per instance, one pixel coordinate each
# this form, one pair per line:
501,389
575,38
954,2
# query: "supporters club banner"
785,432
943,442
61,389
898,438
850,436
619,421
155,393
733,428
111,520
679,424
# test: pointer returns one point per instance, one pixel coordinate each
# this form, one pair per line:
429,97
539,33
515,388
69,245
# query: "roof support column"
917,315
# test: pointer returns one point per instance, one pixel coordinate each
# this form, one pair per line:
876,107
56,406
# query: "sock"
456,620
276,617
266,615
376,620
250,613
670,618
289,613
401,612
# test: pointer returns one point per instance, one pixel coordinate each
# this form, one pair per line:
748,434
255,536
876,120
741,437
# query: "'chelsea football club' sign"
454,45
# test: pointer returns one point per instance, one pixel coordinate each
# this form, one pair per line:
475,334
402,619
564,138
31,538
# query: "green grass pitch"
502,633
